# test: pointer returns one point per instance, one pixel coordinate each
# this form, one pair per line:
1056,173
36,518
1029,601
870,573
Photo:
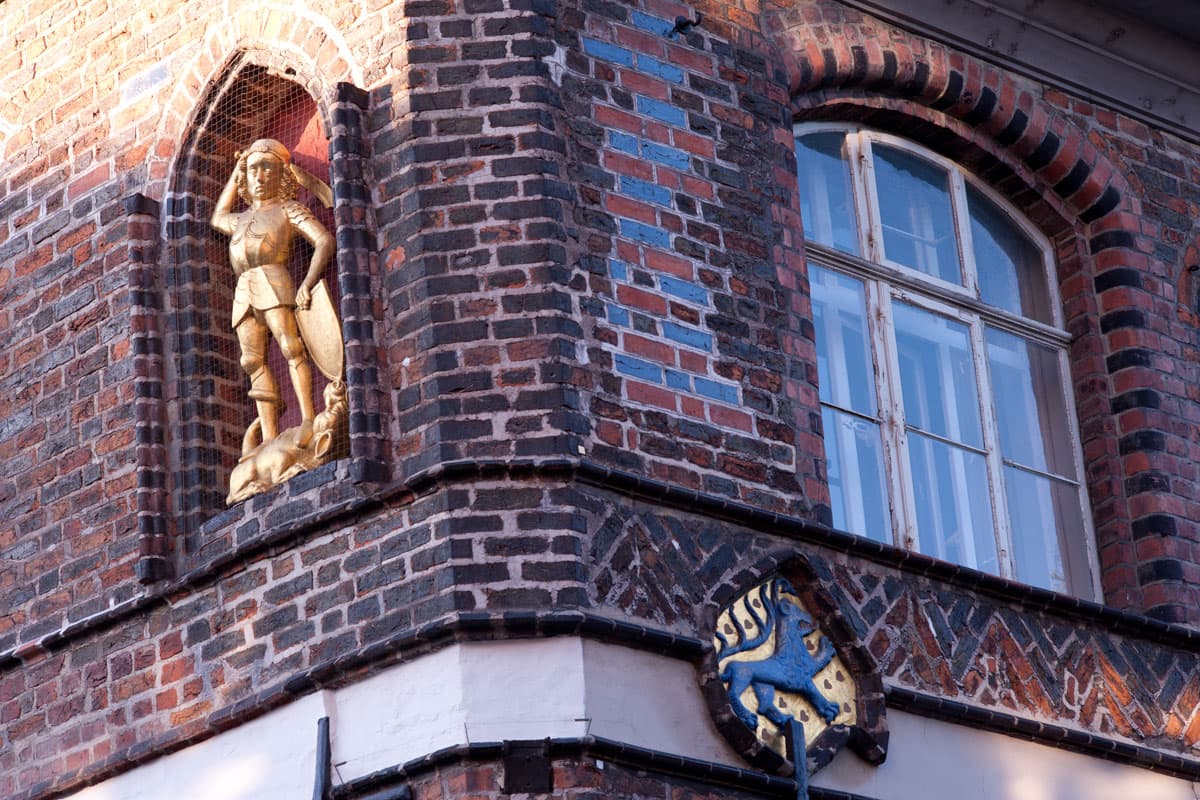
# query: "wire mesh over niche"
241,365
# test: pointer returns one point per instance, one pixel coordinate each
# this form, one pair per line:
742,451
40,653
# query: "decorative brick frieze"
318,601
1058,665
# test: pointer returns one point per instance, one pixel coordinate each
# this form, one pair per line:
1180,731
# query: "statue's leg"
738,677
765,693
283,326
252,339
823,705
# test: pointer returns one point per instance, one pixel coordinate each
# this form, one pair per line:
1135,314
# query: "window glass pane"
844,368
937,375
857,488
1010,269
954,510
1031,412
914,209
826,199
1047,533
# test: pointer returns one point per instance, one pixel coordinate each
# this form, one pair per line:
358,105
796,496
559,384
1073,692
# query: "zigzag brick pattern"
940,639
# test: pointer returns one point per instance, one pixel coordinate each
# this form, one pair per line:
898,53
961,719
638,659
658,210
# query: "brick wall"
563,237
1112,194
705,377
571,777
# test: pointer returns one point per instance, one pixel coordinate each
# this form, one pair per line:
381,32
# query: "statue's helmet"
272,146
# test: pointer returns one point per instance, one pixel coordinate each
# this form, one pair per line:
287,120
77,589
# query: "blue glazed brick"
608,52
618,270
683,290
677,159
692,338
632,229
717,391
642,190
665,112
658,27
618,315
623,142
637,368
679,380
652,66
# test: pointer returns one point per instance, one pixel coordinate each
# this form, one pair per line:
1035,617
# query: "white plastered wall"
569,687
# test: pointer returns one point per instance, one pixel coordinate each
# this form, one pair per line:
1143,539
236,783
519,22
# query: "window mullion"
962,222
999,318
891,412
991,442
866,198
855,513
1091,556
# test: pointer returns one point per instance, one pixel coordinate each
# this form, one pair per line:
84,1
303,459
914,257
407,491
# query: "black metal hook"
683,25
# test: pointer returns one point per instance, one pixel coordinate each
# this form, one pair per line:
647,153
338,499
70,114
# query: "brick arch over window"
998,126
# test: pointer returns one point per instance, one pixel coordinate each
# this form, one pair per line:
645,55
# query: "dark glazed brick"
1160,570
983,108
1125,318
1110,240
954,90
1107,203
1120,276
1044,153
1138,398
289,590
1131,357
554,571
480,573
1154,525
1074,180
1143,441
437,101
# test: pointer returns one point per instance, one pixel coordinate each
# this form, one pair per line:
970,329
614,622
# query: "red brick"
729,418
633,209
656,351
640,298
692,143
611,117
639,83
639,392
625,165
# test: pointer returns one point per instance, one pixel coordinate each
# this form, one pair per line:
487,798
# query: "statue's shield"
322,333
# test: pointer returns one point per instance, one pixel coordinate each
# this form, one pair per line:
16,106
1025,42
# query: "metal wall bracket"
322,780
527,768
795,733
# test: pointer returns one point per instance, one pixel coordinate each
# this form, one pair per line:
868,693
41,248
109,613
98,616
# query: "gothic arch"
844,65
258,36
193,379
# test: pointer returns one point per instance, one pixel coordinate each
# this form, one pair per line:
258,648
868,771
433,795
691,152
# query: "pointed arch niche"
205,408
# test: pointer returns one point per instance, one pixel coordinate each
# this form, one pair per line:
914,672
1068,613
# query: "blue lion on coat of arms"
790,668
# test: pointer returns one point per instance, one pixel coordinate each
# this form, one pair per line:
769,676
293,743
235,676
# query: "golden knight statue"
266,304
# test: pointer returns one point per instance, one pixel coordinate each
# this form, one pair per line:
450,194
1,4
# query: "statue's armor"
258,250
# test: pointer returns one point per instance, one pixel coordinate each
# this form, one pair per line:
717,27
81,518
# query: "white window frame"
885,281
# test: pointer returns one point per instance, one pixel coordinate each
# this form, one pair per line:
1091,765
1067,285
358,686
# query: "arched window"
949,428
